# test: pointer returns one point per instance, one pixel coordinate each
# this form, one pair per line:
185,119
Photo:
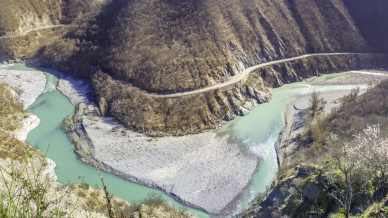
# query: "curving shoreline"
28,87
28,90
107,145
217,173
96,132
29,123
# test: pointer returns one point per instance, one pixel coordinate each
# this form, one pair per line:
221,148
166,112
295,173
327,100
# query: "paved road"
243,75
34,30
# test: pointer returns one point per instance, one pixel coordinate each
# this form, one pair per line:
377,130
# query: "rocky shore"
28,86
207,171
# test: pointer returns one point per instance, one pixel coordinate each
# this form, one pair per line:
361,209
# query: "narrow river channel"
258,131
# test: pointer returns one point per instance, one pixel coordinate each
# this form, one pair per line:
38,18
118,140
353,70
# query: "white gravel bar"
76,91
29,123
204,170
29,85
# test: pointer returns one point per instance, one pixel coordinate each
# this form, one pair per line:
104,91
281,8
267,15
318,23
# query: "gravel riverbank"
29,123
206,171
29,85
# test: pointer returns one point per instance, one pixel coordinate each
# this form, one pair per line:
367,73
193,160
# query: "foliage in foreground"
353,148
25,192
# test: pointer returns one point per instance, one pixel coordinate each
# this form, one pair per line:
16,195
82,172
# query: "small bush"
24,192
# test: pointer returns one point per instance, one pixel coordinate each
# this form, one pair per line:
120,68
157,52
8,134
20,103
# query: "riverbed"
257,133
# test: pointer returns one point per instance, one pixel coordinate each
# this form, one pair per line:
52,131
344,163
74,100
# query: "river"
257,131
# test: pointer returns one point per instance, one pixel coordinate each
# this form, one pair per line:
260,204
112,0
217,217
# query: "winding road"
232,80
244,75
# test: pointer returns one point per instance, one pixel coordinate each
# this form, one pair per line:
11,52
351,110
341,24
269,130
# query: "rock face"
166,46
169,47
195,113
157,115
294,196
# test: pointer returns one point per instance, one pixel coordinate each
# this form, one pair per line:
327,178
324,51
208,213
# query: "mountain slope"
166,47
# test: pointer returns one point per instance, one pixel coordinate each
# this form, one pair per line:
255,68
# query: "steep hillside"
313,158
17,16
27,26
166,47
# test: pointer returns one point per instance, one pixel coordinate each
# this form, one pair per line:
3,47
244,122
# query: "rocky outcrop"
195,113
295,196
179,115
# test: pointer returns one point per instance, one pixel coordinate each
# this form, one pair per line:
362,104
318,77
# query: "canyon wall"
157,115
165,47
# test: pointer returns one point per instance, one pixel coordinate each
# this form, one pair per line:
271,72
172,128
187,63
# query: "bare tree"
365,157
108,198
341,187
370,148
317,104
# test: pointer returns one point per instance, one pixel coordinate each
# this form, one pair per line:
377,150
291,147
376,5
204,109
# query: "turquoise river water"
257,131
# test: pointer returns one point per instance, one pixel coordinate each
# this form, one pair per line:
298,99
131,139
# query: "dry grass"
11,110
11,148
356,113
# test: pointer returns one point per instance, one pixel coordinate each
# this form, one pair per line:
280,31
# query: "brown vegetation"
11,110
355,113
166,46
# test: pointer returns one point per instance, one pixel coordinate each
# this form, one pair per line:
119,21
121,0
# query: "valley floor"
207,170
